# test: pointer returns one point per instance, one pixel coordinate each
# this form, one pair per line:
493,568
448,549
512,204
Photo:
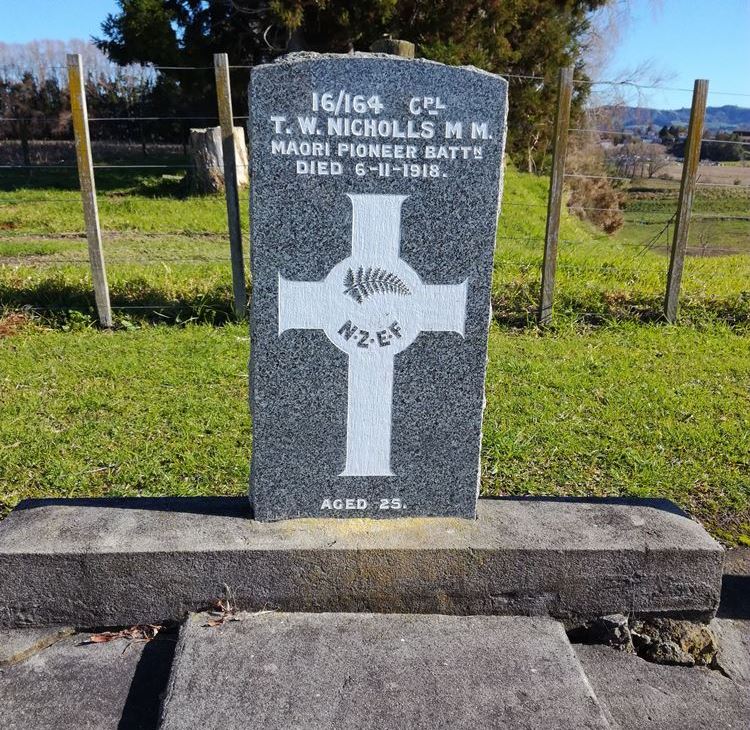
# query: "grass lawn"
606,403
629,409
170,252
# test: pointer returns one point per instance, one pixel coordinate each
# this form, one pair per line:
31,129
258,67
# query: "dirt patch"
713,174
13,323
39,260
699,251
657,640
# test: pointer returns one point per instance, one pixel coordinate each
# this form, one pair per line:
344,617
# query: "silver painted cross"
372,305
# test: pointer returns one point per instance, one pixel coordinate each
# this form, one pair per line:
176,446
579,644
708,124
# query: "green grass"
155,411
606,403
606,278
720,225
168,250
636,410
640,410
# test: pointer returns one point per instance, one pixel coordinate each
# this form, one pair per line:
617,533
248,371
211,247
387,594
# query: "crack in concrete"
48,638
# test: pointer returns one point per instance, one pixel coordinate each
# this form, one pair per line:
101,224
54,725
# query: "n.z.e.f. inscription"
374,214
383,337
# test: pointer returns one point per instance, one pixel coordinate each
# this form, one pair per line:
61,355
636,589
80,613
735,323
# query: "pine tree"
519,37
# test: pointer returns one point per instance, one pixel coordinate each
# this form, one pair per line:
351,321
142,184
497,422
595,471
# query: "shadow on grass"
169,182
60,302
238,506
58,299
516,306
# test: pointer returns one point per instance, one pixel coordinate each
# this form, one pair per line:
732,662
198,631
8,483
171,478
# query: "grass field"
609,402
168,250
720,224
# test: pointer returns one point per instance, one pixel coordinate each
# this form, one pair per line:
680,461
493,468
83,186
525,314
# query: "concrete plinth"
19,644
358,671
127,561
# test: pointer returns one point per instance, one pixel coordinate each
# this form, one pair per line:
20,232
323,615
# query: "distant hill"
725,118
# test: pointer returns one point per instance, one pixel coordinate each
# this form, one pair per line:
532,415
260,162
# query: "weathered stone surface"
19,644
363,671
371,260
734,648
660,640
667,652
128,561
640,695
76,686
612,630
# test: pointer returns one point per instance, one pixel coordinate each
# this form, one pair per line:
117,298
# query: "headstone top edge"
299,57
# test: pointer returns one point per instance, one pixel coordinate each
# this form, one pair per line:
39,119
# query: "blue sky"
688,39
680,39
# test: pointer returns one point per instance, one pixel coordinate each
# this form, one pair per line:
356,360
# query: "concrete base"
357,671
128,561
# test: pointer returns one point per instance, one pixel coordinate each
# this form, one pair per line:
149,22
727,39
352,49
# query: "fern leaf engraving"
364,283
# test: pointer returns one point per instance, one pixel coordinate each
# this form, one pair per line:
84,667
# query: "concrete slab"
639,695
360,671
19,644
74,686
734,648
129,561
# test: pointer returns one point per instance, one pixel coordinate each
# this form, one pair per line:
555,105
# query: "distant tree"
666,137
530,38
172,33
34,99
723,147
143,32
636,158
33,109
655,159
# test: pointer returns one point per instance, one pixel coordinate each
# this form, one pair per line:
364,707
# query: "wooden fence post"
554,201
685,201
88,188
226,121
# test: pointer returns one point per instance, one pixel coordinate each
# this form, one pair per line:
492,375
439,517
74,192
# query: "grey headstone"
371,283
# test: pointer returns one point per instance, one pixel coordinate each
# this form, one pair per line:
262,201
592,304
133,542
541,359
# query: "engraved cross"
372,305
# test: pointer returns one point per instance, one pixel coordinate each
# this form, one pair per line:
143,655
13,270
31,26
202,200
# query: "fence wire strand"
634,251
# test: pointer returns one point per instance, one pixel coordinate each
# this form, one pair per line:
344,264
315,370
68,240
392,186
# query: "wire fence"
618,240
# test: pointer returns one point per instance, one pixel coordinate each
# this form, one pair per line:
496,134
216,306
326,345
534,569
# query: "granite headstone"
375,194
